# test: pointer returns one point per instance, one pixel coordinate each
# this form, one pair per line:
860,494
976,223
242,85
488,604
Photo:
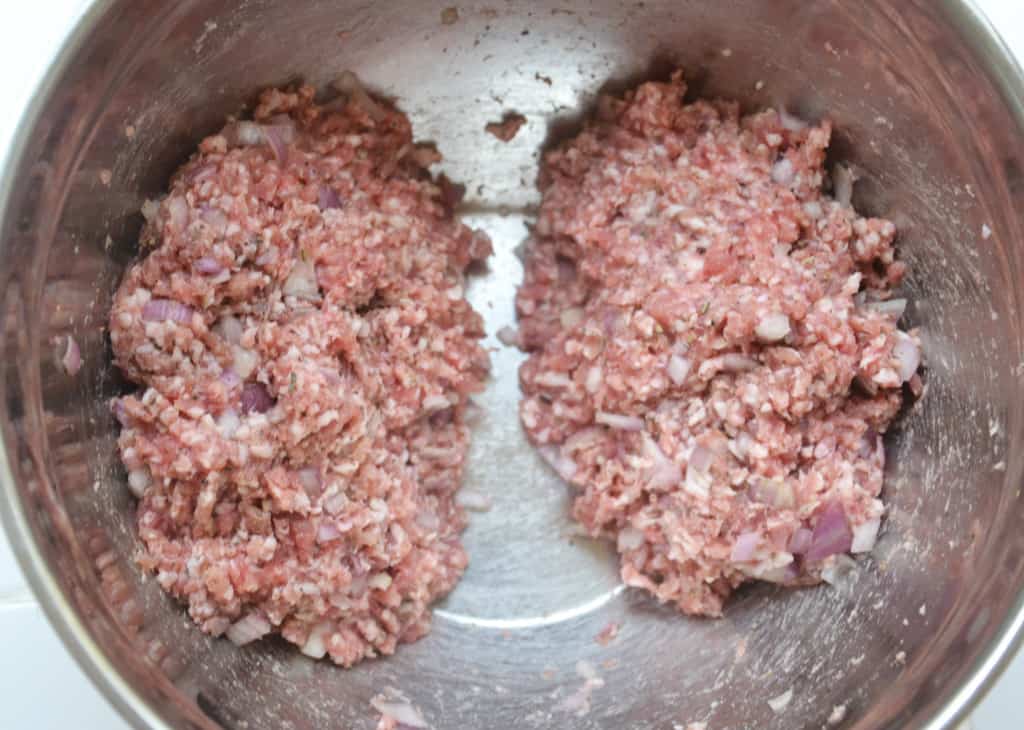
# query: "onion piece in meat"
801,540
256,398
832,534
311,481
745,547
228,422
780,703
248,629
619,421
563,465
177,212
208,266
678,369
772,328
791,122
166,310
400,711
348,83
139,480
301,282
664,473
772,492
733,362
69,356
328,198
864,536
889,307
843,179
327,531
473,500
278,136
698,475
629,538
908,354
783,172
230,328
243,361
316,645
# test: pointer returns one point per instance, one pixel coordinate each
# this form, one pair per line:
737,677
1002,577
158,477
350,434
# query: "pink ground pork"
304,354
714,346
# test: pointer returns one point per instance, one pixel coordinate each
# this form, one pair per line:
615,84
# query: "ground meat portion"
713,359
305,356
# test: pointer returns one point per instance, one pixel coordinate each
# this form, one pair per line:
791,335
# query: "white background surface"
42,687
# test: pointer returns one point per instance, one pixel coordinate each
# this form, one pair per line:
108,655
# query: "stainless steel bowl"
930,109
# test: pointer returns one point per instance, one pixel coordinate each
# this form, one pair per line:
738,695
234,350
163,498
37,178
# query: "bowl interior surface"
922,111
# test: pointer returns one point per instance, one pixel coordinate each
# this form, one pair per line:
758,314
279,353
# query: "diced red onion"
864,536
120,412
214,217
244,133
311,481
783,172
664,472
772,492
773,327
316,646
328,198
228,422
629,538
349,83
166,310
908,354
69,355
256,398
744,547
230,378
278,136
842,184
230,328
327,531
791,122
701,458
474,500
890,307
678,369
301,282
801,540
563,465
248,629
733,362
208,266
243,361
842,566
177,212
619,421
832,534
508,336
400,711
138,481
150,209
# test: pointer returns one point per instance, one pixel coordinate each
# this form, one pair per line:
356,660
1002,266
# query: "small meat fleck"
449,16
507,128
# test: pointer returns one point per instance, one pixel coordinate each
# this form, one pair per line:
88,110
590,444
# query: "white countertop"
33,663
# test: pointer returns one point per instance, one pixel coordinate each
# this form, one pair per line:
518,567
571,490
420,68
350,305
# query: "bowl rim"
975,29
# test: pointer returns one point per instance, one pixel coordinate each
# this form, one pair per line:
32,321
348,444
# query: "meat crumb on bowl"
507,128
714,350
304,355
